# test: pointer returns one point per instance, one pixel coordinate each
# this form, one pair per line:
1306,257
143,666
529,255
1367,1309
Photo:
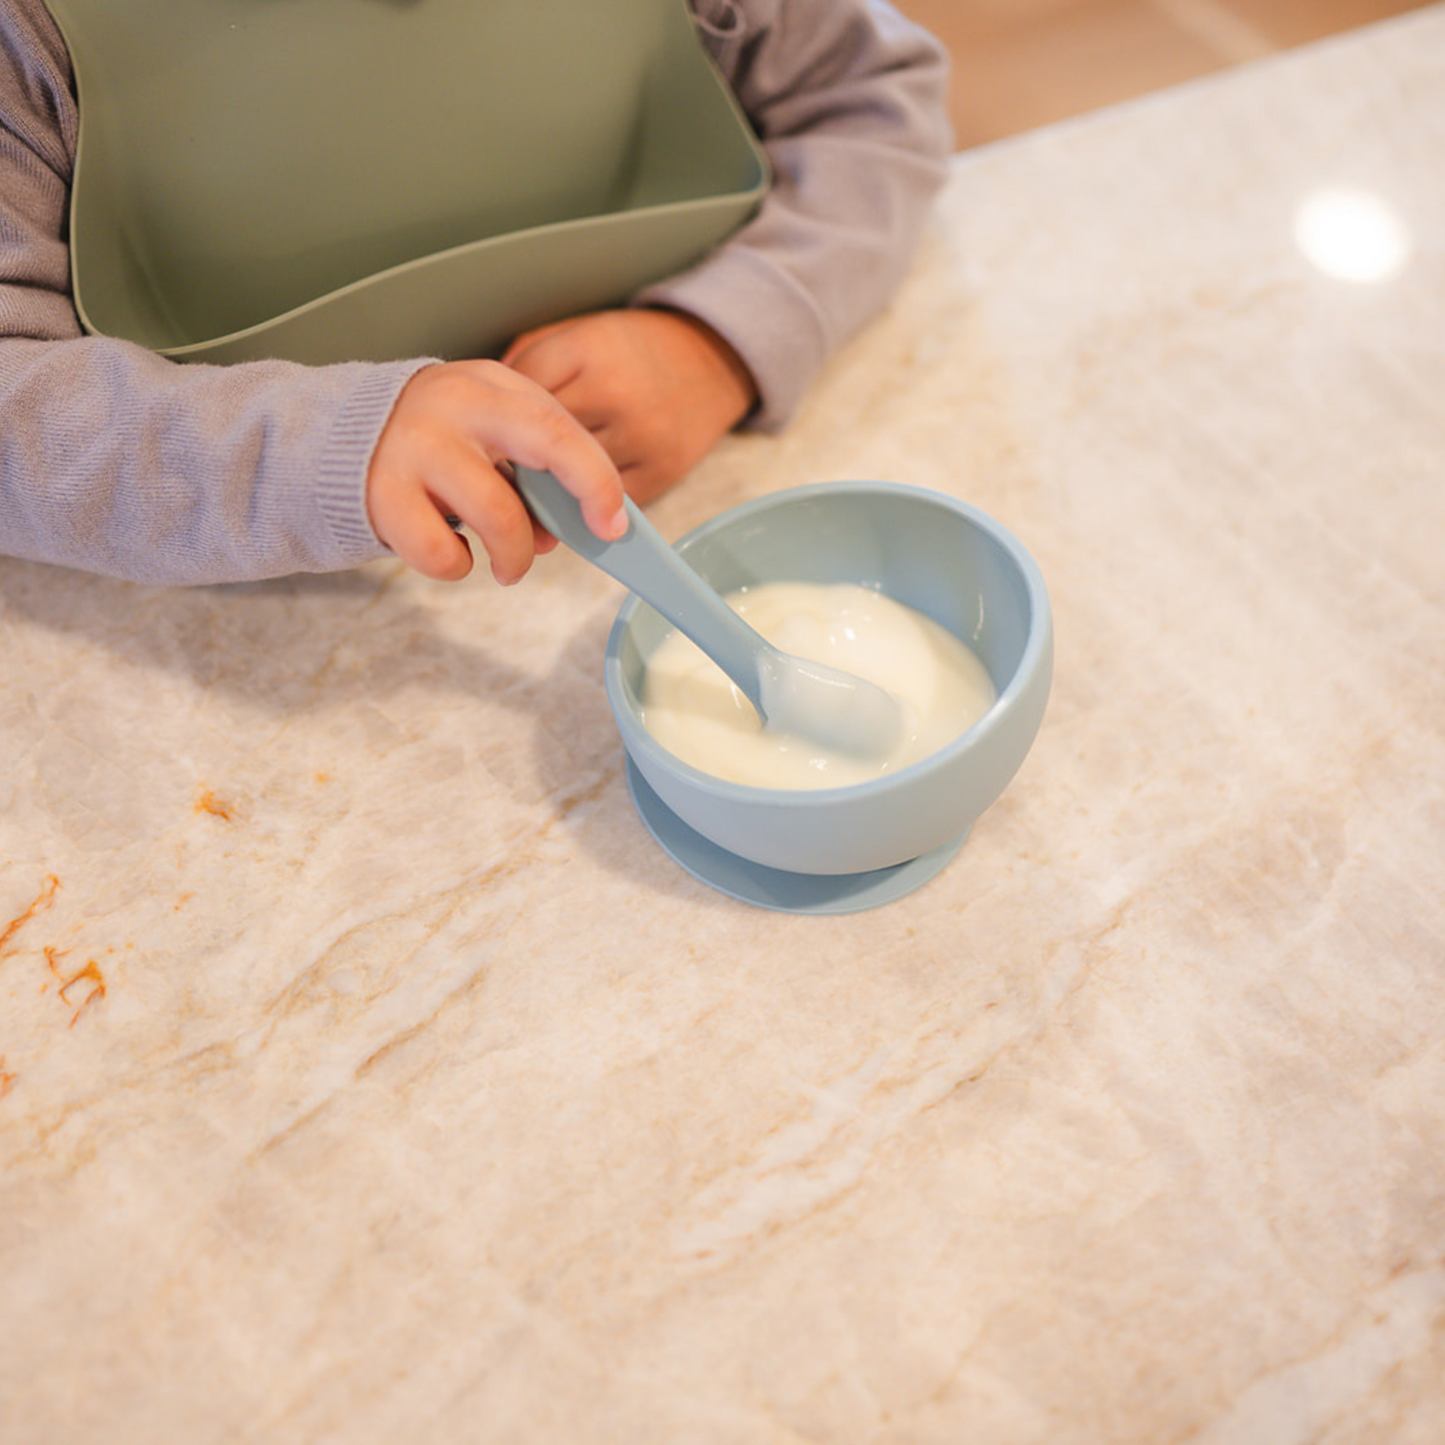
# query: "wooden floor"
1024,63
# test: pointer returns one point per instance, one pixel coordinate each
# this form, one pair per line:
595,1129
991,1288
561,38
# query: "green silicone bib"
328,180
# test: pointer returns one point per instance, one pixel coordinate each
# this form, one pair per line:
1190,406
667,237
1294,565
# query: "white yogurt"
697,713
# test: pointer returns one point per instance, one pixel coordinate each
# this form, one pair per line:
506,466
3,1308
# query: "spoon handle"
643,560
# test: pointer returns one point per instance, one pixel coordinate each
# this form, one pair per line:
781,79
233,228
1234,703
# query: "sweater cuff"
341,471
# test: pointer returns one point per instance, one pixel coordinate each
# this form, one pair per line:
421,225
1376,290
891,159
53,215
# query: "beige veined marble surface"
368,1074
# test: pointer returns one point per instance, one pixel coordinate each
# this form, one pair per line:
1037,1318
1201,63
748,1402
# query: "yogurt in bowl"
697,713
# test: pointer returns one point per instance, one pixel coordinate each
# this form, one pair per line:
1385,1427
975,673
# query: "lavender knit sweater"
117,461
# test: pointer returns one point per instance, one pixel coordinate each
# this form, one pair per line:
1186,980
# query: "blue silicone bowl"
930,551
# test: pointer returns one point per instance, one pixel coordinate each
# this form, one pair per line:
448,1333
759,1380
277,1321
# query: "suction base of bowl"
775,887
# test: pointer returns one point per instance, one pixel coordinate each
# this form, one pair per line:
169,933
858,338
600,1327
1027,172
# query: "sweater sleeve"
117,461
849,101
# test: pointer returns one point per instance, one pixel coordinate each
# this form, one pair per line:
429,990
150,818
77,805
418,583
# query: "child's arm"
850,101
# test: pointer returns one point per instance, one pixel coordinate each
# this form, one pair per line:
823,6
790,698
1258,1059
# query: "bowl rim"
1037,649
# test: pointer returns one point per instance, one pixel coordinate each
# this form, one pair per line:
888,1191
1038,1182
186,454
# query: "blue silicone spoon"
792,694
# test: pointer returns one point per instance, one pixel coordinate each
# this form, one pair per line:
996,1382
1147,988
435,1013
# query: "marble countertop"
367,1073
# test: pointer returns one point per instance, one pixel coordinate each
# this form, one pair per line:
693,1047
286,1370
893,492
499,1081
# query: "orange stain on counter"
76,990
208,802
89,977
43,901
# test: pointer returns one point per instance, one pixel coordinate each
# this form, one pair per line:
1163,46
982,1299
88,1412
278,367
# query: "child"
121,462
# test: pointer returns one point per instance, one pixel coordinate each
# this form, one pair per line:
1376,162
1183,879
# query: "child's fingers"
532,352
539,432
507,416
416,529
438,456
492,508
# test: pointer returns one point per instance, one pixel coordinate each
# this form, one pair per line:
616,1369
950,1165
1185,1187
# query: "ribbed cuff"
341,473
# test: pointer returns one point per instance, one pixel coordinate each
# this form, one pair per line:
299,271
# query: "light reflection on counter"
1352,235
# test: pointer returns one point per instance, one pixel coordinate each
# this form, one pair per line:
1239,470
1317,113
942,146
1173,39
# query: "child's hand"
656,388
437,457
